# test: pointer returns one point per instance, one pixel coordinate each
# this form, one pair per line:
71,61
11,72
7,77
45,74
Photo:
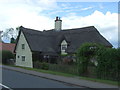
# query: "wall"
23,52
58,25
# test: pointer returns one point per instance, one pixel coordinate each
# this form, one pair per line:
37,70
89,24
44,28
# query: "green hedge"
108,60
84,53
6,55
108,63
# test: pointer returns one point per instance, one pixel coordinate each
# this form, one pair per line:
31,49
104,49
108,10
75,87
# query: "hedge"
6,55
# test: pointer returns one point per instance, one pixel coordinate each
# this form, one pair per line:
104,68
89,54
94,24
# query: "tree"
84,53
0,36
13,40
108,63
10,34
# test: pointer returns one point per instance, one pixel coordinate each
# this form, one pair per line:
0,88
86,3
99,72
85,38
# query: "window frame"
23,46
63,47
23,58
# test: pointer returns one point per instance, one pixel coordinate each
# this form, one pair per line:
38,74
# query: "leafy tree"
10,33
13,40
84,53
108,63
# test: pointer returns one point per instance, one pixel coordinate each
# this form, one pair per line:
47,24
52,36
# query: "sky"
40,15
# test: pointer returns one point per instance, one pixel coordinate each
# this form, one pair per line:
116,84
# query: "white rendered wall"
23,52
58,25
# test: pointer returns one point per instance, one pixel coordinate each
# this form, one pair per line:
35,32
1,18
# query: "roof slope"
7,46
49,41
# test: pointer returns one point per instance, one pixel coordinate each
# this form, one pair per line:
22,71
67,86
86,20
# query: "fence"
92,72
72,69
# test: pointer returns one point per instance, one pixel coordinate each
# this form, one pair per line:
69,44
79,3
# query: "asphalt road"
13,79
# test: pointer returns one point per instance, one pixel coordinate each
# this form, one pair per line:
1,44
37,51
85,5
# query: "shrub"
6,55
108,63
41,65
44,66
36,64
84,53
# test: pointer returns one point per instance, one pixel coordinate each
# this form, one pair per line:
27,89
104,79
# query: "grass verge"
69,75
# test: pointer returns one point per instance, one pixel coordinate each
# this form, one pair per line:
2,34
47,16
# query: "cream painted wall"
23,52
58,25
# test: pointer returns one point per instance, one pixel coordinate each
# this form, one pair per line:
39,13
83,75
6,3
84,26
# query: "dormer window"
63,47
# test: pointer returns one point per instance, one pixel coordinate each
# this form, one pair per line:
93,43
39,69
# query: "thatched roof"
48,42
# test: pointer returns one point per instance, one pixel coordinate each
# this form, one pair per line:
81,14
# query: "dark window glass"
23,58
23,46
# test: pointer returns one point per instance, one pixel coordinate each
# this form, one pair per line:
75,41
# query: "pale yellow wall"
23,52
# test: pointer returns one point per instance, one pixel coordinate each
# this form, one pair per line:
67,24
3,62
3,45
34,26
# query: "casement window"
23,58
23,46
64,47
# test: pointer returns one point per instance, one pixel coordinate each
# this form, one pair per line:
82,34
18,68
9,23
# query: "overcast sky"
40,15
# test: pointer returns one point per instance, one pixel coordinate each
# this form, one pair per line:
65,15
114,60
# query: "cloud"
30,14
25,12
83,9
107,24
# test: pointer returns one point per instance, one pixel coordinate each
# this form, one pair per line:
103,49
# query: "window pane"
23,46
23,58
64,47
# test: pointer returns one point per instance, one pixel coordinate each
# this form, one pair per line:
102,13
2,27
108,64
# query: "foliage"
13,40
41,65
44,66
108,63
6,55
84,53
10,33
64,54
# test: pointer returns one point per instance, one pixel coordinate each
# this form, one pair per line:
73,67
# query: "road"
13,79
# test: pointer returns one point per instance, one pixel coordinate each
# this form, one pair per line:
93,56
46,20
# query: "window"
18,56
23,46
23,58
63,47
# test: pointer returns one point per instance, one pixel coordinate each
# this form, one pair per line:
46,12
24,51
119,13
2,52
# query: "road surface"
14,79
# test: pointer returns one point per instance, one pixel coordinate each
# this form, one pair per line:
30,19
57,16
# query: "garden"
92,60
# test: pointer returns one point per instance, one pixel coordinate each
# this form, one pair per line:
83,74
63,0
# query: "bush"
6,55
108,63
84,53
41,65
44,66
36,64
